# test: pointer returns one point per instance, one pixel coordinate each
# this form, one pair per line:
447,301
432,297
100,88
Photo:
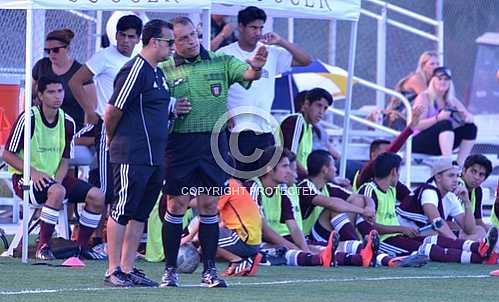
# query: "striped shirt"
297,136
15,142
141,92
205,82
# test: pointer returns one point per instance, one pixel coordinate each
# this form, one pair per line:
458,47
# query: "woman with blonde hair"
61,65
445,119
410,86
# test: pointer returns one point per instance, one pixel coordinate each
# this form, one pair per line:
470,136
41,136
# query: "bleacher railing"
383,21
363,121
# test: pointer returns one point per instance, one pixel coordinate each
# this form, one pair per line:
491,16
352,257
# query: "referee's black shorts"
136,190
191,166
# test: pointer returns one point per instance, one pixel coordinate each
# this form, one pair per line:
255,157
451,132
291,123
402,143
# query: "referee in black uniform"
137,132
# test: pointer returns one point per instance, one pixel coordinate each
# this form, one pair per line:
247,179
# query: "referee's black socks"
171,242
208,238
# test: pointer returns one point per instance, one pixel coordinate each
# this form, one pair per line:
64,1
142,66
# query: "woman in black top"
61,65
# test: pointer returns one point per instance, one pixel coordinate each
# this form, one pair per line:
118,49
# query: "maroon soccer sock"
344,227
46,231
440,254
88,223
48,219
364,227
450,243
344,259
84,234
299,258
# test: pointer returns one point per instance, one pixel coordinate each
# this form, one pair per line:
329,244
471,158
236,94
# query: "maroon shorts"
76,189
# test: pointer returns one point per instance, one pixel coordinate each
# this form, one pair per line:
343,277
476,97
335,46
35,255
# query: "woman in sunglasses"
446,124
61,65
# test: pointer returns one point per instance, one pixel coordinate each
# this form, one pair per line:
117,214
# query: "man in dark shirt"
137,132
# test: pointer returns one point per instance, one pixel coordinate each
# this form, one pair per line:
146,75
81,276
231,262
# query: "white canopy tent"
346,10
178,6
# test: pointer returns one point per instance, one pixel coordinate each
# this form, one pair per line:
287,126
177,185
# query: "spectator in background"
410,86
61,65
444,120
104,66
222,33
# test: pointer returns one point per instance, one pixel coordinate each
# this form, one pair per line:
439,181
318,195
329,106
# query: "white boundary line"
61,290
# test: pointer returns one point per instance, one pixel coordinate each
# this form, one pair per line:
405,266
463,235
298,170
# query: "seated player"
326,207
439,198
240,231
379,146
477,169
297,129
51,134
283,229
385,190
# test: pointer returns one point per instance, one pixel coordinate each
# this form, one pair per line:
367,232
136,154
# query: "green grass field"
434,282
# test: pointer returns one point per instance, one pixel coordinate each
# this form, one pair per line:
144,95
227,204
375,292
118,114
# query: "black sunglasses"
54,49
169,41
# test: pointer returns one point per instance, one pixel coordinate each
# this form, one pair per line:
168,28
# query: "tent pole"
98,31
27,132
348,103
206,21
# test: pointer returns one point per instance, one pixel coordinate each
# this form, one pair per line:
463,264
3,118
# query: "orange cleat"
370,250
487,245
255,261
327,254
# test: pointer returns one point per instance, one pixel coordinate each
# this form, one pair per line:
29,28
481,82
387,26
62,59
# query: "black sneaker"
170,278
138,278
210,279
44,253
118,279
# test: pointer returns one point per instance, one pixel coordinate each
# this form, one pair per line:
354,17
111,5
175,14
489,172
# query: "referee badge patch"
216,89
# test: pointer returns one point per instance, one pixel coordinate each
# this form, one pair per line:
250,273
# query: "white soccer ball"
188,258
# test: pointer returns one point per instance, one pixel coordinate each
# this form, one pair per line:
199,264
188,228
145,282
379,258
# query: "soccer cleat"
210,279
118,279
170,278
328,254
488,244
370,250
139,278
273,256
44,253
254,262
492,259
230,270
91,254
408,261
238,268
